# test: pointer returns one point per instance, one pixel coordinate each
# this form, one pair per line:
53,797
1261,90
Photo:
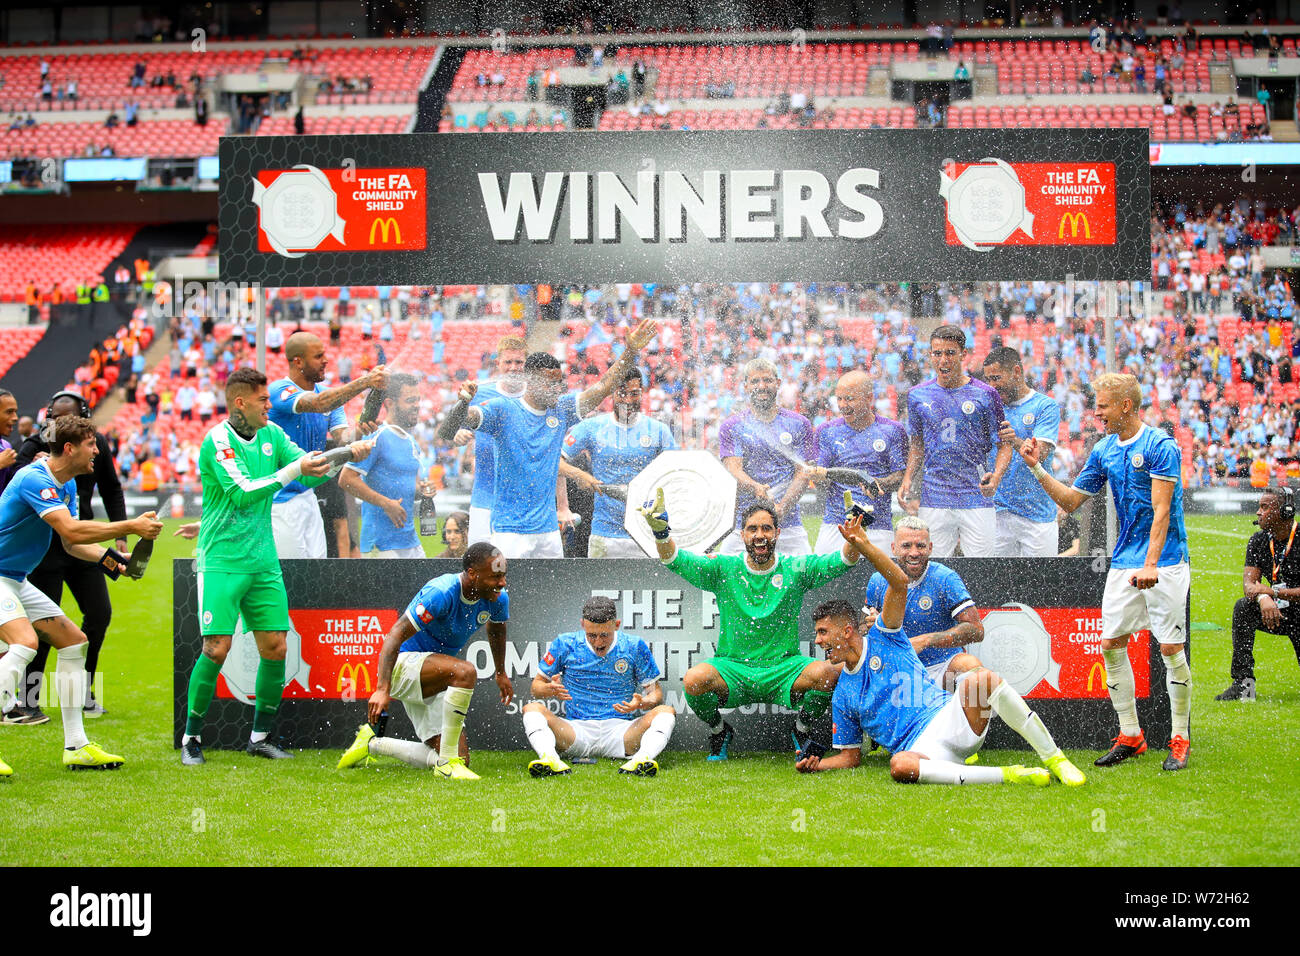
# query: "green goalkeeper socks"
267,690
203,684
706,708
815,703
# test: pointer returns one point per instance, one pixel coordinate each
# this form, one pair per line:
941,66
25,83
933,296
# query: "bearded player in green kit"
243,462
760,596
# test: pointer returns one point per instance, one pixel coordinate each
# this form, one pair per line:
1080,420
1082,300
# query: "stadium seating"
177,137
370,123
1103,115
17,342
64,254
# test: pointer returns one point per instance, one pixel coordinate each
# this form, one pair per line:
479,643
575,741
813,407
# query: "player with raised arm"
41,499
865,442
1150,575
613,702
420,665
1025,515
767,448
529,435
387,480
243,462
953,422
885,692
512,352
759,598
617,446
311,417
940,619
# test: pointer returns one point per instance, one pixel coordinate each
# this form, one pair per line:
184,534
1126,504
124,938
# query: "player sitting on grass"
884,691
419,664
759,598
611,676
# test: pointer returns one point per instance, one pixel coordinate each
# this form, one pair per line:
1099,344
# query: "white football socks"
408,751
941,771
70,683
540,736
454,708
1015,713
1178,679
1123,691
12,667
655,739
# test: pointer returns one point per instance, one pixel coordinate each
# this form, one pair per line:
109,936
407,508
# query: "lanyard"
1277,565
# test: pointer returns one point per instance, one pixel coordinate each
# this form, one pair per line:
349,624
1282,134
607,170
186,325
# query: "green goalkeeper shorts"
226,595
755,682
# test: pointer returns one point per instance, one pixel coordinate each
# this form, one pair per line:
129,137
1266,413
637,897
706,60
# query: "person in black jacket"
84,579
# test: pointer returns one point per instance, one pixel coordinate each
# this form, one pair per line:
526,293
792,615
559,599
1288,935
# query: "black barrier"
809,205
341,610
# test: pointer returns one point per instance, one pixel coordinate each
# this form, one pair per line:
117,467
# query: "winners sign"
810,205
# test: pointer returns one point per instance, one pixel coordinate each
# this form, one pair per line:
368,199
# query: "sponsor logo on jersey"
423,613
287,392
1138,460
620,666
925,603
570,438
50,494
968,407
226,454
549,659
879,444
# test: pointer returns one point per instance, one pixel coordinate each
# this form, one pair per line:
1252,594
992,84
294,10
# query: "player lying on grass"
614,704
759,597
884,691
420,665
41,497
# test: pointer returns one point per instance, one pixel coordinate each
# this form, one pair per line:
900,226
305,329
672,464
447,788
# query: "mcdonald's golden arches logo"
352,675
384,224
1099,666
1075,220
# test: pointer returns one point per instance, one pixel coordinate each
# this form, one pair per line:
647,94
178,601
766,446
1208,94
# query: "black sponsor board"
676,619
809,205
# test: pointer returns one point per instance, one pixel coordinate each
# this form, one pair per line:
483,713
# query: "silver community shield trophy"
700,495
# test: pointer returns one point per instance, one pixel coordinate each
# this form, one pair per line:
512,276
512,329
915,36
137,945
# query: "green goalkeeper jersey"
239,479
758,611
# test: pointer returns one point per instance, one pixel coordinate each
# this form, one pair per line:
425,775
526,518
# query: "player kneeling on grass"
611,677
884,691
41,497
419,664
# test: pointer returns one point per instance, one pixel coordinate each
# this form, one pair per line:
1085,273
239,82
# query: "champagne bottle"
428,516
139,558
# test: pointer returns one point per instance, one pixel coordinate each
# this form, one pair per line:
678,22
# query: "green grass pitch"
1233,806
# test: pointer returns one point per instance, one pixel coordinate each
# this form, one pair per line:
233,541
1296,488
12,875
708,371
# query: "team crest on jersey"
925,603
645,441
968,408
9,604
266,448
50,494
786,438
874,663
423,613
878,444
552,421
620,666
777,580
1138,460
483,617
207,618
1029,418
